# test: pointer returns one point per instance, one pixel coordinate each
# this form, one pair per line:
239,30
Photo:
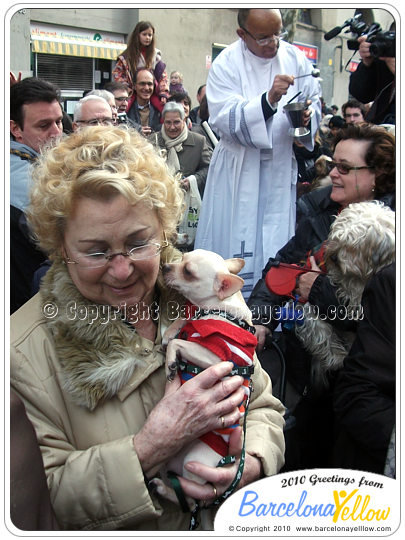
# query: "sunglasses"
343,168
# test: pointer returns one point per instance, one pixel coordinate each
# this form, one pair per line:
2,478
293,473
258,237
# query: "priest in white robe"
248,208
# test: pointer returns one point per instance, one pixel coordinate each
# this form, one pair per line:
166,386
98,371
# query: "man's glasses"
120,99
343,168
96,122
139,253
262,42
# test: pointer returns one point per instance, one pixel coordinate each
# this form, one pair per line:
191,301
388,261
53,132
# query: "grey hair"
172,106
77,113
106,94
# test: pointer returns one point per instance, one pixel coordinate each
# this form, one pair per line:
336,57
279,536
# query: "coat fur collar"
98,354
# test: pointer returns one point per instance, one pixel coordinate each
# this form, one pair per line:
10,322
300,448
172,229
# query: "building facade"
76,48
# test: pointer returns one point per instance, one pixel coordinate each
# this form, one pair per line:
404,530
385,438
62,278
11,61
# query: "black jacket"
25,259
315,214
364,394
375,83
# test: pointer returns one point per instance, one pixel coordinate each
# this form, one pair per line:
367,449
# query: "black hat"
336,121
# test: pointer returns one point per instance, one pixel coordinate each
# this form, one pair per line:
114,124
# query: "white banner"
318,502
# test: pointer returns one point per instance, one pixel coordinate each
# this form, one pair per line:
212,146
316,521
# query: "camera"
361,29
122,118
382,43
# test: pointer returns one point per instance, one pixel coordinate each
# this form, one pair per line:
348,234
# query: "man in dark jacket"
194,113
374,81
35,119
142,112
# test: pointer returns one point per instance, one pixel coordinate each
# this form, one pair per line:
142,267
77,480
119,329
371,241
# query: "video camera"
382,43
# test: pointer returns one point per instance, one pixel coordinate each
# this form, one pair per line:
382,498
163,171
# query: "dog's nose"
166,268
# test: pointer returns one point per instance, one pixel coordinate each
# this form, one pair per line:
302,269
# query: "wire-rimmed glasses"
100,259
262,42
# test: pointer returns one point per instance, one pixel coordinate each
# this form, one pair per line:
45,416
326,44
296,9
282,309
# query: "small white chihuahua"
221,329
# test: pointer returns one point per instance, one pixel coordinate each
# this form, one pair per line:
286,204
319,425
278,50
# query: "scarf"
174,146
98,353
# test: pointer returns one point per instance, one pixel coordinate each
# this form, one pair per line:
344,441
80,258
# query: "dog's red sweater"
230,343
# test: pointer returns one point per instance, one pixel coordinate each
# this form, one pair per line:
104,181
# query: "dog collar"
243,371
240,322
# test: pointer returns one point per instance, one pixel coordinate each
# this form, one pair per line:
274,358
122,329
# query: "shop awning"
84,48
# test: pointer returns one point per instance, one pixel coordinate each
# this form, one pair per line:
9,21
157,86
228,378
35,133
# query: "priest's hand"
281,84
306,114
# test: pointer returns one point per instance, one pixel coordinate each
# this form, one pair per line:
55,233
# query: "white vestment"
248,208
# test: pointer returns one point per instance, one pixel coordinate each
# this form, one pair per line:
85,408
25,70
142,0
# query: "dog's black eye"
334,259
187,272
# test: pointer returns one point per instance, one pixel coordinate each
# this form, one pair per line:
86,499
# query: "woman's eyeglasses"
138,253
344,168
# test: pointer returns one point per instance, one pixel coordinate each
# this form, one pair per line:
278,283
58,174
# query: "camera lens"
383,45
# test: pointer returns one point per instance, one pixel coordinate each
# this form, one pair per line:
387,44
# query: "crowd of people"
96,201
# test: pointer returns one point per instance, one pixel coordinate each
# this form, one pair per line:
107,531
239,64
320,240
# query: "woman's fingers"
229,408
203,400
220,476
314,266
173,385
199,492
217,479
213,374
236,442
203,404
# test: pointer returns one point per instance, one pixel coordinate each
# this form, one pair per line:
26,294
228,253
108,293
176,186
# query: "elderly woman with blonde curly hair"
87,358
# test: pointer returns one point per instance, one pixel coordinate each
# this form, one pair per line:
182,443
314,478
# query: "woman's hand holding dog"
188,411
306,280
221,478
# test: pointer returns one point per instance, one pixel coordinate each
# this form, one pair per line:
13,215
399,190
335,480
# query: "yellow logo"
356,509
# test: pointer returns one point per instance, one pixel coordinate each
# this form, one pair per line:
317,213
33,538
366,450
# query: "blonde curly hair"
99,163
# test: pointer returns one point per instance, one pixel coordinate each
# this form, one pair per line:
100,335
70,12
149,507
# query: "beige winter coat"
88,384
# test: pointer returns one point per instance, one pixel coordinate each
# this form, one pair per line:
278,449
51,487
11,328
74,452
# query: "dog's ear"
226,285
235,265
